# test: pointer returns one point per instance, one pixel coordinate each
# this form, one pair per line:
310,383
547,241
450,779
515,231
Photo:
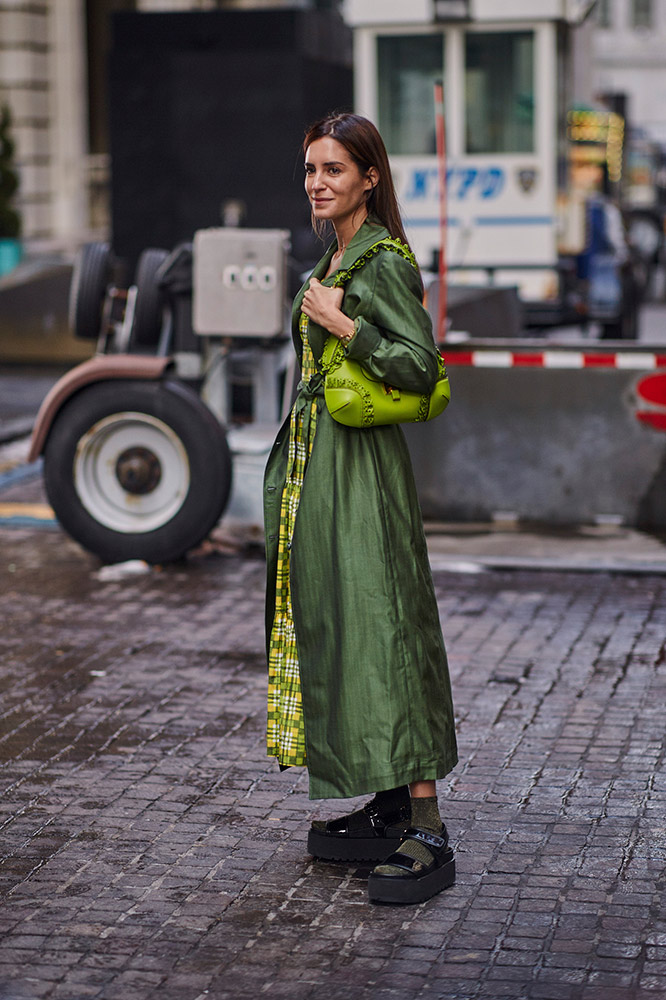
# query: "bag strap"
333,353
388,243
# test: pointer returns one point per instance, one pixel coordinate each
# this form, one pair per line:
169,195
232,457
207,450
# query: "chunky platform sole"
405,889
336,848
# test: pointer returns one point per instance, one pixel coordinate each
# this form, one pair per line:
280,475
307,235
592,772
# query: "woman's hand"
322,304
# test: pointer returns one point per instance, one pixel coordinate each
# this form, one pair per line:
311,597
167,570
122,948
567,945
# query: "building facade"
629,58
42,80
53,77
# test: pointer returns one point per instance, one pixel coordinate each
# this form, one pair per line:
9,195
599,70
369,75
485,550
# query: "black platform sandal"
365,835
420,881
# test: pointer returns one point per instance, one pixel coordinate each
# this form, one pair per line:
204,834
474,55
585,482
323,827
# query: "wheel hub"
138,470
131,472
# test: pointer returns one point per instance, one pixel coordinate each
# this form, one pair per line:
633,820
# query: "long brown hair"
366,147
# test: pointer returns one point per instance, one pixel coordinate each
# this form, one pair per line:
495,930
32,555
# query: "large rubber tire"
149,305
90,278
137,470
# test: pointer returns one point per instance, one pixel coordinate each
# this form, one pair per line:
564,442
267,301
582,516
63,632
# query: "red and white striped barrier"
650,390
625,360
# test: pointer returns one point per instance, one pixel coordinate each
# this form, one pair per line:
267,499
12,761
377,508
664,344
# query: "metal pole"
440,134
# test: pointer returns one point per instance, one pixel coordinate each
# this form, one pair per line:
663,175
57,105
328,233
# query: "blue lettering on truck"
461,183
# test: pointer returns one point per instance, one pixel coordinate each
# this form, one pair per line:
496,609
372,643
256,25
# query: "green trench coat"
374,676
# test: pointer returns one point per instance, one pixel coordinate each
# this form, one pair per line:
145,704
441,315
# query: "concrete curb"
479,564
617,549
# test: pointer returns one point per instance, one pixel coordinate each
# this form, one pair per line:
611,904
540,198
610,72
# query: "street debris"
118,571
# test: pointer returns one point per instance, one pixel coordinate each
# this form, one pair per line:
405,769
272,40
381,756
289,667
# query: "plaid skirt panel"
285,738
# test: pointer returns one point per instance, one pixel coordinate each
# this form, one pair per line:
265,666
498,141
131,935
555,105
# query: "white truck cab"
506,71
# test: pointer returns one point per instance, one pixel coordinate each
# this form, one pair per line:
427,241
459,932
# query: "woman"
358,679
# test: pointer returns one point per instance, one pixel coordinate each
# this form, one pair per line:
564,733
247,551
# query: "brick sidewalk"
151,850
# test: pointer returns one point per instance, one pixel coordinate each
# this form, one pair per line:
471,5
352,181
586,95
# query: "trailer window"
499,92
408,66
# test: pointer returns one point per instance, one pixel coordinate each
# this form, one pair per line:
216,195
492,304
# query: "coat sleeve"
393,338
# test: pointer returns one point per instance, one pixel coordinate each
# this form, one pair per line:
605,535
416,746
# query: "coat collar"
368,234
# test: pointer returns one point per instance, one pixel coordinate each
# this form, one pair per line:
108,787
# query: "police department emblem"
527,178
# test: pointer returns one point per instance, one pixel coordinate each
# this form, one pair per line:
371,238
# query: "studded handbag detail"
357,398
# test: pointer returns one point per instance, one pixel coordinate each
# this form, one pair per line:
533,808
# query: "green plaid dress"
285,737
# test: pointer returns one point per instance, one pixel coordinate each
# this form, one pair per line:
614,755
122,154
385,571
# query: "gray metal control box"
239,282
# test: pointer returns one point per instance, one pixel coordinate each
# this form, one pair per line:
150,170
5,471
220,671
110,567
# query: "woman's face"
334,184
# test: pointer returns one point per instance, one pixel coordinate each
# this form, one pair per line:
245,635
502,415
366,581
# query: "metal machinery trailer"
137,457
515,216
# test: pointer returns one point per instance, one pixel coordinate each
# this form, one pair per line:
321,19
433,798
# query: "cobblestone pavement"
151,850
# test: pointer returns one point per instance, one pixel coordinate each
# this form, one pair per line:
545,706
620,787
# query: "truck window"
407,67
499,92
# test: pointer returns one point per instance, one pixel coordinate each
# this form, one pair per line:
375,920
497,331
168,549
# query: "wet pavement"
22,389
150,849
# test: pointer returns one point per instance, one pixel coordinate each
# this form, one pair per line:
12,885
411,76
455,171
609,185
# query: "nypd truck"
508,68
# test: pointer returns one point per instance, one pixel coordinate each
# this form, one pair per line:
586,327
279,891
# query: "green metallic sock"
425,816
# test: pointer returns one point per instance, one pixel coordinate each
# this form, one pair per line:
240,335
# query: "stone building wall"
42,79
63,189
24,86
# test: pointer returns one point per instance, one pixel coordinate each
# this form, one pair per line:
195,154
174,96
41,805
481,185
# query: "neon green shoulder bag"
357,398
